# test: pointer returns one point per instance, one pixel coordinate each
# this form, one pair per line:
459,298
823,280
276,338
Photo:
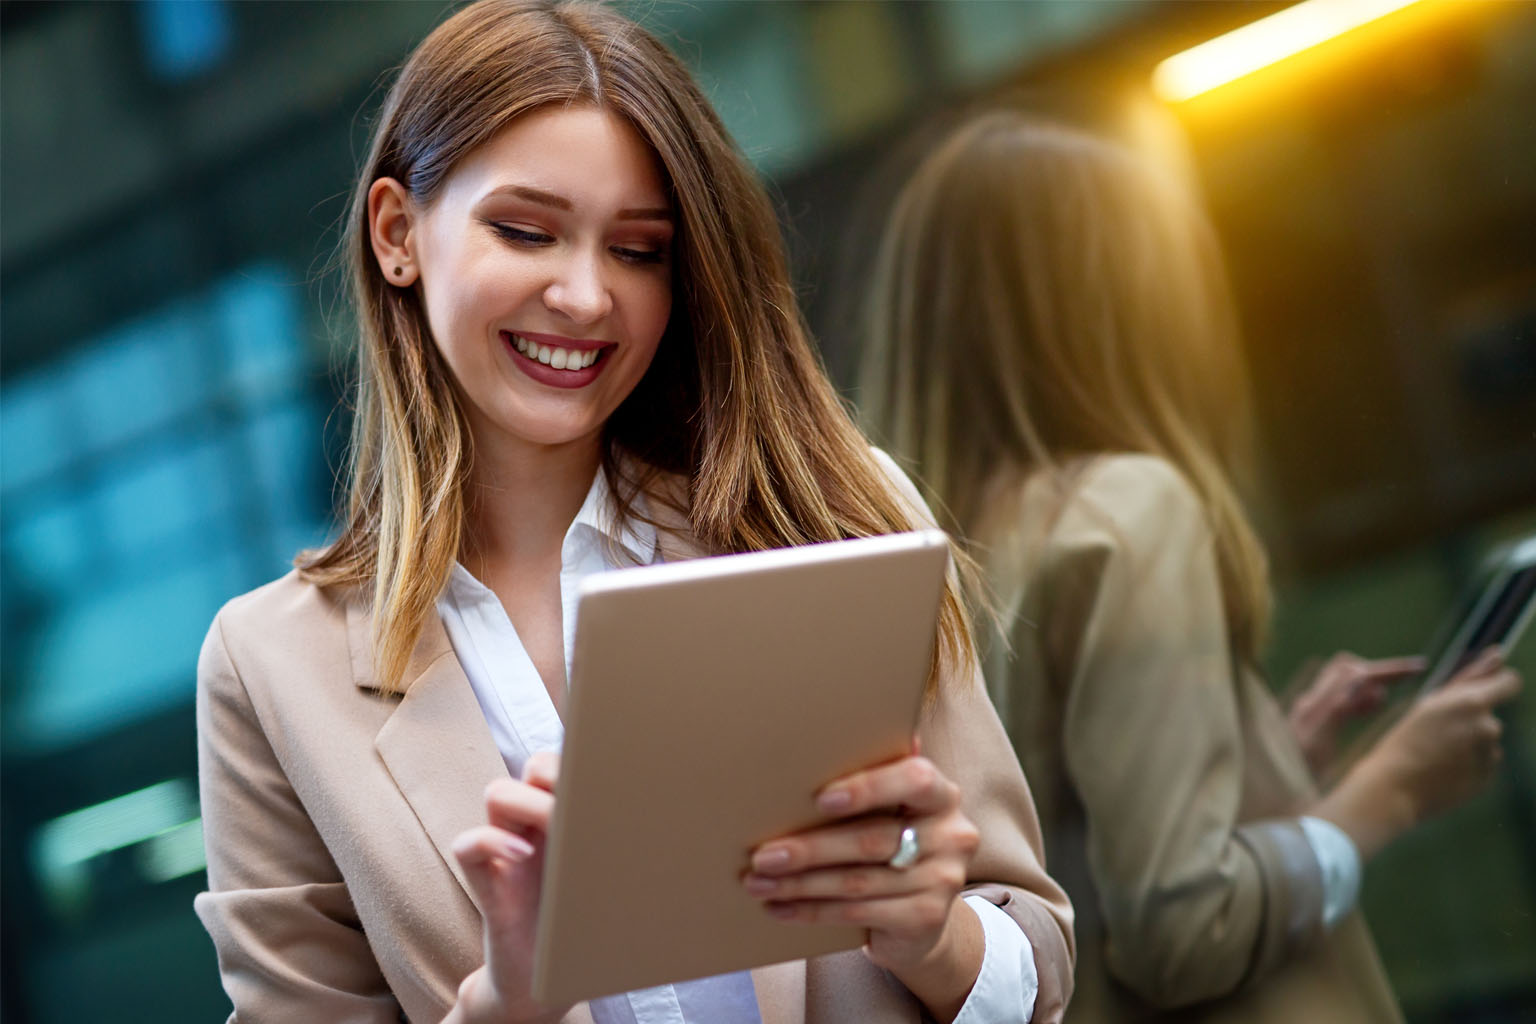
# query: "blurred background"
173,173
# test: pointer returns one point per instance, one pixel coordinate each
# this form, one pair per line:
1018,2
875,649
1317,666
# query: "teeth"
557,358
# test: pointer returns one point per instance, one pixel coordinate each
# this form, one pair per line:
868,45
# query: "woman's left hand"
839,873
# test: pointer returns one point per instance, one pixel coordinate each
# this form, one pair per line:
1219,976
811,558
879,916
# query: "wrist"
1370,805
942,977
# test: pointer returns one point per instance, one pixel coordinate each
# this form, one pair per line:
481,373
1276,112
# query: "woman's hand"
1442,752
503,861
1346,687
839,873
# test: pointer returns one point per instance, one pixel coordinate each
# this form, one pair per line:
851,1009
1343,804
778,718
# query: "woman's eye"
522,236
630,255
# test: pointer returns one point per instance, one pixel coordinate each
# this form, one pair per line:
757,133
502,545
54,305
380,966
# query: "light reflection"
1264,42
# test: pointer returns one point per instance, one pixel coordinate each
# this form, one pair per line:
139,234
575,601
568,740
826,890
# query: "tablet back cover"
710,701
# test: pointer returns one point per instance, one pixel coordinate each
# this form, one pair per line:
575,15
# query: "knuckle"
854,913
855,883
922,775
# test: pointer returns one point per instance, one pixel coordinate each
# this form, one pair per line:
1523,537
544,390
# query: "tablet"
710,700
1497,610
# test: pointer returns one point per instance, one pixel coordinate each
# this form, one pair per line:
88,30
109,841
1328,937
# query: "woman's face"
545,267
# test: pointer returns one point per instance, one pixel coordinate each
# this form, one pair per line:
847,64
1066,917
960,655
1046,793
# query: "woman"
579,350
1051,337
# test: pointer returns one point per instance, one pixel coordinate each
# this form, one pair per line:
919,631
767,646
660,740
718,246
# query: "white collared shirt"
523,720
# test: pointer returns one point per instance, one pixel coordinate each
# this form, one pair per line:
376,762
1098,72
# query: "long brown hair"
1042,295
736,401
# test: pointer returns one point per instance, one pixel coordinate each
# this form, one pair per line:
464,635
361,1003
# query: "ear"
391,231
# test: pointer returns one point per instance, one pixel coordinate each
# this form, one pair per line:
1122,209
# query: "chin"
554,433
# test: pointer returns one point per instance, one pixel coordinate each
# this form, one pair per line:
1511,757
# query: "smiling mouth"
555,358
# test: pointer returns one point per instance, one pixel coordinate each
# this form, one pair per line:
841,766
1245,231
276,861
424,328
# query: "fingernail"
757,885
782,911
834,801
517,847
770,858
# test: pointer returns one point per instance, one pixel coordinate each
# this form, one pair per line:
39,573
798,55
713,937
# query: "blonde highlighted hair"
1042,296
736,401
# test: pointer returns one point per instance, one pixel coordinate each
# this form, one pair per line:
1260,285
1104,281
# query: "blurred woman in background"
1051,338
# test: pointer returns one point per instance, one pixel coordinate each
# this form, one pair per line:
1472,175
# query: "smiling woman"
578,350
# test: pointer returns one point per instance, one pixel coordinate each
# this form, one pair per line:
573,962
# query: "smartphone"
1496,611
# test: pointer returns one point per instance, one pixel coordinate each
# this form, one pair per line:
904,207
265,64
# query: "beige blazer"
1166,774
329,810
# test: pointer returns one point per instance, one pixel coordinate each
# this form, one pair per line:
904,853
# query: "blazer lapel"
436,745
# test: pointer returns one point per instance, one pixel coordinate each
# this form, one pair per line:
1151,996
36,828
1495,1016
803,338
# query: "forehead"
595,158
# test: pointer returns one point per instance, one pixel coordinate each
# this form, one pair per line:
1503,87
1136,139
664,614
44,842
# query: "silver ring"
907,850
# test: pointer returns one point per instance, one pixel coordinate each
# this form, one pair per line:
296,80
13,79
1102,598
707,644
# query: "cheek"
461,306
653,308
463,283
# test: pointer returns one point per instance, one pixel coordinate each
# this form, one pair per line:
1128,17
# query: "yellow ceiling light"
1262,43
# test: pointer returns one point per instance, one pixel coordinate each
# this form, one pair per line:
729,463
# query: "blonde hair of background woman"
1041,295
736,400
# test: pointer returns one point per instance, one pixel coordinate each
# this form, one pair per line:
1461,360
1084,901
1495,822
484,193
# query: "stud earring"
399,271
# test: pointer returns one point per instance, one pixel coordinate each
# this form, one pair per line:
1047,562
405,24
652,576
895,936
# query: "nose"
579,291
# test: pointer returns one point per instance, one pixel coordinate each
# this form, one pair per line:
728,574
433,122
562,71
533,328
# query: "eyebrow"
559,202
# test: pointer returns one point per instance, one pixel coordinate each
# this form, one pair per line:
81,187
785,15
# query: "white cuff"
1006,986
1340,864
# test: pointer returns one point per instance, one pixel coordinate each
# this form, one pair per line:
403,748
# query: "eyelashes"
651,256
520,236
537,239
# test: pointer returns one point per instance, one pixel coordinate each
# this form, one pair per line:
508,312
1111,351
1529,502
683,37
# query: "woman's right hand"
1346,687
1441,753
503,861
